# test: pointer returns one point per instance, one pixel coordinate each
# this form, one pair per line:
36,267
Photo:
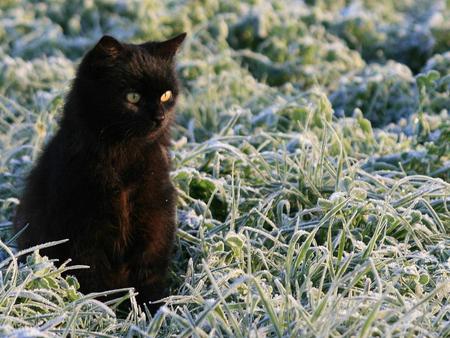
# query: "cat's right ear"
107,48
165,49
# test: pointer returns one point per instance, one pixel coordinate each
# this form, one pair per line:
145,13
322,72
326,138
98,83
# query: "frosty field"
311,154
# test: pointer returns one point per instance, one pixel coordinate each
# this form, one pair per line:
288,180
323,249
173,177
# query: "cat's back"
51,191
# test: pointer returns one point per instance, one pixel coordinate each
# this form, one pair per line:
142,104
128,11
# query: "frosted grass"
293,220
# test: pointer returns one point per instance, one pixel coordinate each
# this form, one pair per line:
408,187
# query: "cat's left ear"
166,49
107,46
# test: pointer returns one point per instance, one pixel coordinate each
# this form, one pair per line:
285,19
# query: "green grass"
313,171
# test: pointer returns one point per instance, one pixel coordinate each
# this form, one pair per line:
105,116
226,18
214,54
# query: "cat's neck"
115,165
95,143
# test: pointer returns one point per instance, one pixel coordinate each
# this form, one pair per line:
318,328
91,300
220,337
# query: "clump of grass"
385,94
293,220
37,301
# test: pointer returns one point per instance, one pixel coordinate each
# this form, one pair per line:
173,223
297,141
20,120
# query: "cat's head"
126,90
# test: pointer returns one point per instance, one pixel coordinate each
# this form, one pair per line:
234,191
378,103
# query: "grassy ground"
311,156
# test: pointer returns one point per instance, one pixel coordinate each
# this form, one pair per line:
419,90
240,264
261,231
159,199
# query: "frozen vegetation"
311,156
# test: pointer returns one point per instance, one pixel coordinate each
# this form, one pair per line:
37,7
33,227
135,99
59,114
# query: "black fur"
103,180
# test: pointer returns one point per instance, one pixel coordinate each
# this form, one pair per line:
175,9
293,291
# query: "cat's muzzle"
157,121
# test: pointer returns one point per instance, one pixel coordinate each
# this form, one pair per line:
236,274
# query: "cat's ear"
107,47
166,49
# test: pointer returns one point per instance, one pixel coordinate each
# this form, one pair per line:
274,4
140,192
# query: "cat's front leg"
151,250
150,281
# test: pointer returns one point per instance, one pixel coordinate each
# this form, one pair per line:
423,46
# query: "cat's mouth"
156,123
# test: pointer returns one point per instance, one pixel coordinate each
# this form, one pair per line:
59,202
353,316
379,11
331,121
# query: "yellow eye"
166,96
133,97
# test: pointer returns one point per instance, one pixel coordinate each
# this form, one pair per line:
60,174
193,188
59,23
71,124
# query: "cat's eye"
133,97
166,96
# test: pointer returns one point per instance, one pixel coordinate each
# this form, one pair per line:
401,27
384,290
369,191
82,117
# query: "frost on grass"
312,170
384,93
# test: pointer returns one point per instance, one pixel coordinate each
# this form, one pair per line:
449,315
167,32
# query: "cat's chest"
146,191
131,170
143,181
140,191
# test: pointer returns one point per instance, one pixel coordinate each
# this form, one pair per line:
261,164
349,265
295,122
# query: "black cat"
103,180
